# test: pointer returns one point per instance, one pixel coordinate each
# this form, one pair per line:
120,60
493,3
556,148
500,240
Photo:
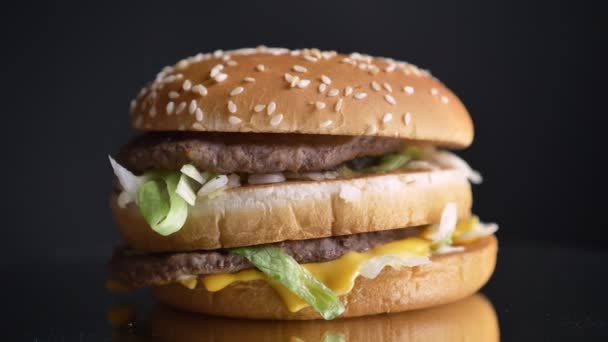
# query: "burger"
298,184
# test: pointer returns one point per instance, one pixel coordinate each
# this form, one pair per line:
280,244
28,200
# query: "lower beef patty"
137,270
250,152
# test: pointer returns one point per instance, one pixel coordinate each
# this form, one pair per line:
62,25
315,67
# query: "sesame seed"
198,113
348,90
387,87
299,68
198,126
408,89
376,86
226,57
276,120
236,91
260,67
387,117
181,127
372,129
390,68
320,105
326,124
187,85
288,77
390,99
232,63
200,89
180,108
303,83
173,94
333,92
407,118
233,120
271,107
132,105
338,105
232,107
216,70
445,99
249,79
294,81
434,91
325,79
360,96
152,112
192,107
170,107
310,58
258,108
182,64
322,88
220,77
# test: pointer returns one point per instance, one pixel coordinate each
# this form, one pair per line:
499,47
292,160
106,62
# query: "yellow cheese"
189,282
339,275
465,226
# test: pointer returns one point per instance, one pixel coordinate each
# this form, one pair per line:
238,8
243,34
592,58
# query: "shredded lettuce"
160,205
388,162
281,267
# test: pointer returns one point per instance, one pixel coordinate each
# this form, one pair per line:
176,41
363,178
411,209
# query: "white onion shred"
186,189
128,181
315,176
349,193
213,185
449,249
372,267
450,160
266,178
480,230
447,224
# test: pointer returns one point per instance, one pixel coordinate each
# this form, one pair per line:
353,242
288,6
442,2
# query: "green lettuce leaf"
160,205
281,267
389,162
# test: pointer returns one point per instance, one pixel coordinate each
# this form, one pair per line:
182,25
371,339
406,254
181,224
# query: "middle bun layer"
260,214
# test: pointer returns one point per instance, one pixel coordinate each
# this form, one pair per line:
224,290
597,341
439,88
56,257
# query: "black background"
531,74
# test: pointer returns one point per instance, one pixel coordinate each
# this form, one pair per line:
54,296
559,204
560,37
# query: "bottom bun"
447,278
472,319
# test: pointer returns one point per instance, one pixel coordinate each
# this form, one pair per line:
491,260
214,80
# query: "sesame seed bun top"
302,91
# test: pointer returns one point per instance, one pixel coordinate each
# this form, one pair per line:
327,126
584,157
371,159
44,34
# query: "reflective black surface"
539,292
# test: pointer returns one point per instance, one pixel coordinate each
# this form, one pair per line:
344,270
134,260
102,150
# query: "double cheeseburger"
298,184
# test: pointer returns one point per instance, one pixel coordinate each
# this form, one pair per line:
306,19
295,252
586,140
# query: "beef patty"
249,152
138,270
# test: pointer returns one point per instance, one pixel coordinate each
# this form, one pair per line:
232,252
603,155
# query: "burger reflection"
470,319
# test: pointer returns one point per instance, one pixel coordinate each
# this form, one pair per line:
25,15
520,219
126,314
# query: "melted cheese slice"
339,275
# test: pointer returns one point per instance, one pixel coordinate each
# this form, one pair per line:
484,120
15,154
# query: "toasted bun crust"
472,319
253,215
194,96
448,278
